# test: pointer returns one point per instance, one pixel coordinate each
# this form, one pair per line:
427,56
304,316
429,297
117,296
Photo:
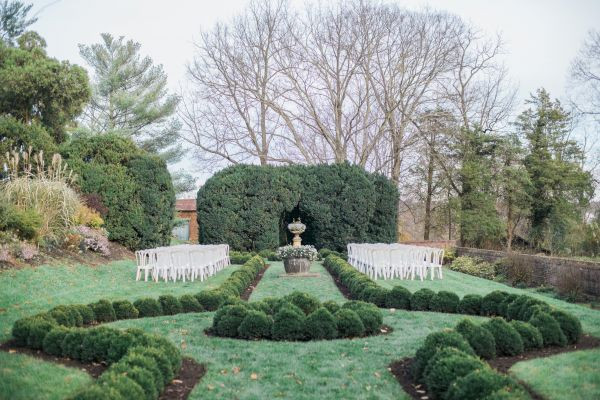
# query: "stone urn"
296,265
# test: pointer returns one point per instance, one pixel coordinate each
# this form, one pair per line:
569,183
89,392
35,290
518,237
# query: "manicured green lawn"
32,290
24,378
463,284
256,370
272,284
579,374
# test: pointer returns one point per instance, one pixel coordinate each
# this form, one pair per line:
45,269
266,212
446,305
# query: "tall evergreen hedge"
135,187
249,206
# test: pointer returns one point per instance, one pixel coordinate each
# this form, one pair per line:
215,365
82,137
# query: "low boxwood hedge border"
534,323
297,317
140,364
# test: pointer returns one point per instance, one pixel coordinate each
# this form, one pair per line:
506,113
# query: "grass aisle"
29,291
273,285
463,284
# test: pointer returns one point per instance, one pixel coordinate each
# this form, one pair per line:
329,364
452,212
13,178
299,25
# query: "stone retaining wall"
552,271
440,244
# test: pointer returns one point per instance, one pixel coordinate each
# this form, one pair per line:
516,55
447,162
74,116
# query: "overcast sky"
542,36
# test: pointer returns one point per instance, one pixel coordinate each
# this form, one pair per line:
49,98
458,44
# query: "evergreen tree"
560,189
130,97
14,20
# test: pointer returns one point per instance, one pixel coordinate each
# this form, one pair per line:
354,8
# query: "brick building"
186,208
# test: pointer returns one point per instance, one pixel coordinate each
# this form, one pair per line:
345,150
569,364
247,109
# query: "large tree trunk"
428,198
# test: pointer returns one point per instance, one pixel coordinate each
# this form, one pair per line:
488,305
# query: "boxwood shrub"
513,308
419,301
349,323
52,343
162,361
530,335
479,338
508,341
288,324
444,301
368,313
549,328
190,304
306,302
331,306
104,311
490,303
229,319
72,344
321,324
256,325
569,325
127,387
478,384
443,370
124,309
470,304
170,304
398,297
148,307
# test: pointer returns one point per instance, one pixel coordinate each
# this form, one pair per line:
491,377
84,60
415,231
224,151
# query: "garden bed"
248,292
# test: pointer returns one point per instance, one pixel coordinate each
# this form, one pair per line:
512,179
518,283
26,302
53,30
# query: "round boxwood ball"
148,363
549,328
161,359
86,312
470,304
72,344
569,324
141,376
508,341
119,345
256,325
306,302
419,301
433,342
530,307
398,297
96,343
321,324
513,308
477,384
491,302
148,307
509,392
479,338
349,323
38,330
531,336
125,310
444,301
98,392
170,304
190,304
503,307
442,371
104,311
127,387
368,313
376,295
331,306
210,300
288,324
229,320
53,341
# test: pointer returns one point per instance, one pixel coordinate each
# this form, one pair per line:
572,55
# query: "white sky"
542,36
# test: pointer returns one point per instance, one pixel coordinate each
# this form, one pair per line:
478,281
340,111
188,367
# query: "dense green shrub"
472,266
509,392
148,307
98,392
86,312
508,341
38,330
66,315
490,302
433,342
228,320
52,343
281,304
477,385
479,338
444,301
96,344
23,223
419,301
306,302
127,387
170,304
530,335
324,253
72,344
349,323
470,304
331,306
513,308
288,324
162,361
120,343
321,324
530,307
503,307
549,328
125,310
190,304
363,204
168,348
239,257
135,186
210,300
376,295
569,325
442,371
104,311
398,297
256,325
368,313
141,376
147,363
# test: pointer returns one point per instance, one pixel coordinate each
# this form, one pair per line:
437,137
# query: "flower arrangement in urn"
297,258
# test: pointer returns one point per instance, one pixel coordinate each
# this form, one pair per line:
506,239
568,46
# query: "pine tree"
14,20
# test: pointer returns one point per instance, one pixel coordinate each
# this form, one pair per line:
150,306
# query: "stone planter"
296,265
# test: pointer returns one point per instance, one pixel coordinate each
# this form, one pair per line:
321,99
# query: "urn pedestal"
296,265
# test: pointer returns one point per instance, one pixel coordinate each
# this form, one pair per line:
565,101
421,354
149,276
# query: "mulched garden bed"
179,389
343,289
401,369
246,295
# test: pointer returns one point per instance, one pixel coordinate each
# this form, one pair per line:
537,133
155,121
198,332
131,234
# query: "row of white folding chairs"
396,260
182,262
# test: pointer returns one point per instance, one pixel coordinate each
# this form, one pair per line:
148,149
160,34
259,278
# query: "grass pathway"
273,285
